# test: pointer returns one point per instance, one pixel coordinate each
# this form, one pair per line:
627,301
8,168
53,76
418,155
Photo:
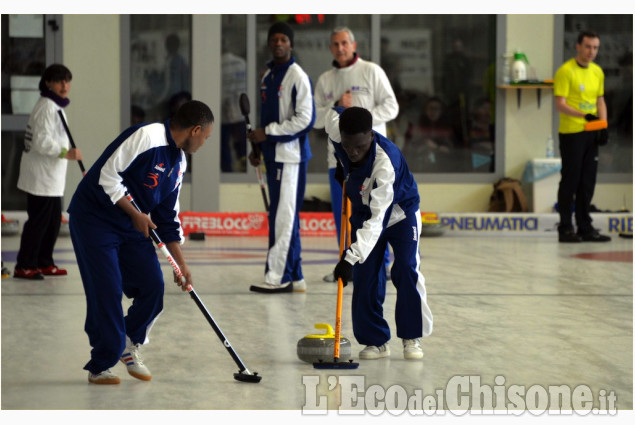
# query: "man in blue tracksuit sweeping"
287,116
385,209
110,237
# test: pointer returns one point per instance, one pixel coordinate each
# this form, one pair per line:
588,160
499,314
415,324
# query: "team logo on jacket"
280,91
359,89
160,167
154,180
364,191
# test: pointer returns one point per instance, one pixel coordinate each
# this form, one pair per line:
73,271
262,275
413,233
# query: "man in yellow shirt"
579,97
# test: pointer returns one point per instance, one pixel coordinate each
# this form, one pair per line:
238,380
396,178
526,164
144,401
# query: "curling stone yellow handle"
329,331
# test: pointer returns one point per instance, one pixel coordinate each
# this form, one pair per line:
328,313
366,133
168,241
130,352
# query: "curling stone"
319,347
431,225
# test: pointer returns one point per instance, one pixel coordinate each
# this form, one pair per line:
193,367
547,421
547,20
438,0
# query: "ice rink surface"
511,314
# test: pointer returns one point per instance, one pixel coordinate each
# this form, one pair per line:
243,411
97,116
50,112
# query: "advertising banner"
252,223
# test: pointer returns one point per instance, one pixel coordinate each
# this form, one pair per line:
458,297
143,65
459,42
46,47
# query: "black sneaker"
595,236
269,288
569,237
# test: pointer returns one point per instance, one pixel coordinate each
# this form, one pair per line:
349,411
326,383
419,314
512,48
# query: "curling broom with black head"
243,375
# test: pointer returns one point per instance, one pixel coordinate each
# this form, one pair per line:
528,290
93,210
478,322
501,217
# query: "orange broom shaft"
345,236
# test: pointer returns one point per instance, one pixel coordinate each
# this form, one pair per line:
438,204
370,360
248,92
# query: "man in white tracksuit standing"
352,82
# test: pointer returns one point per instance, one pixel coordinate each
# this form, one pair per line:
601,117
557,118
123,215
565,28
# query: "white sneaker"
412,349
329,278
371,352
270,288
299,285
133,361
105,377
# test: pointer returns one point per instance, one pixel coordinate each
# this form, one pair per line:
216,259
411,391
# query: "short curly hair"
355,120
193,113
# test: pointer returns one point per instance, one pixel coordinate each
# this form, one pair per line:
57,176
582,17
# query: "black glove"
591,117
602,137
339,173
344,269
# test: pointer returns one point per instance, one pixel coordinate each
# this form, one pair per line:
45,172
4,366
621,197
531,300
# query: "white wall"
206,87
91,52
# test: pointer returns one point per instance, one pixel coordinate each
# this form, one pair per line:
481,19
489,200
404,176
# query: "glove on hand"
602,137
591,117
344,270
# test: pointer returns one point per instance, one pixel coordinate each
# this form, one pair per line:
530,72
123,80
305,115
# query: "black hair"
355,120
55,72
193,113
587,33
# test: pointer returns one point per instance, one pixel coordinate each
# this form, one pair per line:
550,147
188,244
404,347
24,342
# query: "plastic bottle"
519,70
506,69
550,153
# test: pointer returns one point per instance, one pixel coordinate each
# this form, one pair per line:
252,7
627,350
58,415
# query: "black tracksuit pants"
579,152
40,232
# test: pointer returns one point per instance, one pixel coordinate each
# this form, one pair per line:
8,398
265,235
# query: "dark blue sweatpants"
412,314
113,263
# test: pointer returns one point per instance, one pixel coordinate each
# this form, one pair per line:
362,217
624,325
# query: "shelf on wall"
520,87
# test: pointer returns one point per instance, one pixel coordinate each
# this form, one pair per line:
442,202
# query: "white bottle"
519,70
550,153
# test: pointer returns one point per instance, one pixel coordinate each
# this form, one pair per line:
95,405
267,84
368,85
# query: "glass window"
23,62
311,49
233,155
160,72
615,56
160,68
442,70
24,57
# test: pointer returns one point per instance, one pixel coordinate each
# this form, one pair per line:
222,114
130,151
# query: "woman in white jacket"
43,175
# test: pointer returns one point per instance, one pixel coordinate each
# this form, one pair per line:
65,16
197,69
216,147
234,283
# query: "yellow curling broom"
345,241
